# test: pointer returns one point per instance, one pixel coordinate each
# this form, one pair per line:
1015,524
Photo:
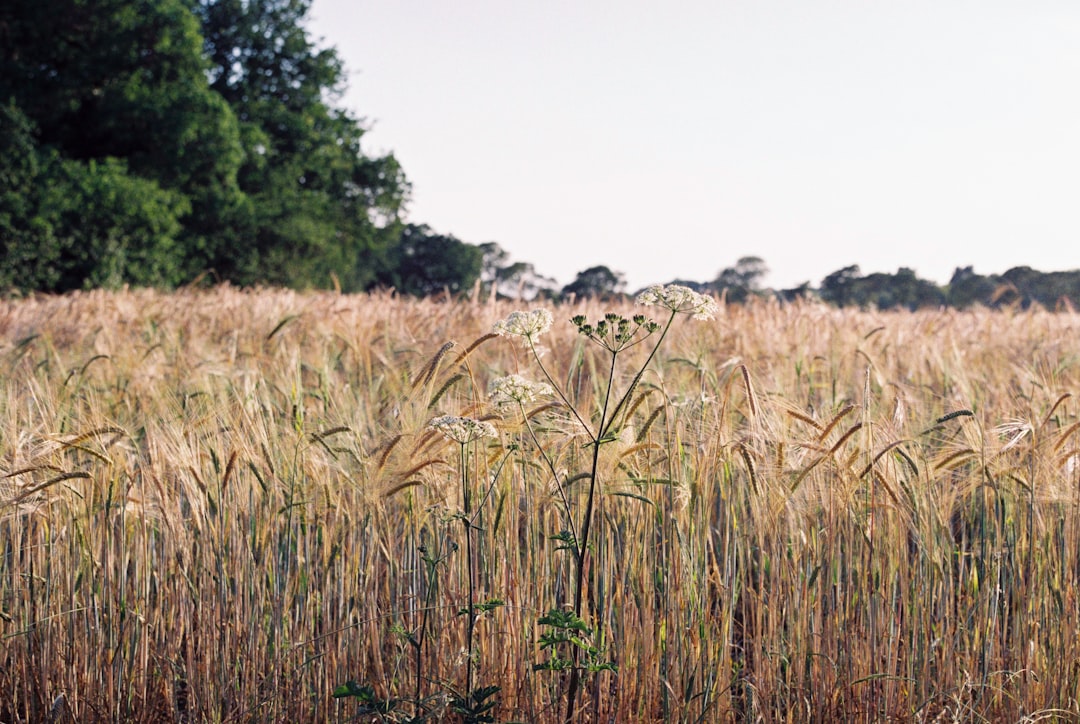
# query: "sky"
668,139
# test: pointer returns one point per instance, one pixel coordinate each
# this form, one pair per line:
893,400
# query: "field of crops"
223,505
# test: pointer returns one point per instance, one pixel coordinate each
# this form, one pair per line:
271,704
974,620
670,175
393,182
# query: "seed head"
681,299
529,325
514,389
462,429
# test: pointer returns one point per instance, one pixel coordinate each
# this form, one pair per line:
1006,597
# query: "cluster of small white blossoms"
515,389
462,429
678,298
529,325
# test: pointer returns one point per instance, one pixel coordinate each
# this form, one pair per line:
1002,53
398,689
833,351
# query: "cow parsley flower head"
515,389
678,298
529,325
462,429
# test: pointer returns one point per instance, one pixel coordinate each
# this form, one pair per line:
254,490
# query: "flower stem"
471,621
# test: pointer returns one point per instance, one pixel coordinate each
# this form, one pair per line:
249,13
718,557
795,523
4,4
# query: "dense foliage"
848,287
146,143
424,263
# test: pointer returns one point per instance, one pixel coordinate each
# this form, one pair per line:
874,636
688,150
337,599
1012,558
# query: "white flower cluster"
516,389
529,325
462,429
678,298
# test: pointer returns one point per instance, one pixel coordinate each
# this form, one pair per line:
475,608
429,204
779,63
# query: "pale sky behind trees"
666,140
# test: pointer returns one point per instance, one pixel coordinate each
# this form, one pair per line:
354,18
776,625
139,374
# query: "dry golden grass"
211,504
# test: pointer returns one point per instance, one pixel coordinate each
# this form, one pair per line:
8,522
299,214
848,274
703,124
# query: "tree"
743,279
315,195
967,288
597,281
1027,283
516,280
1056,289
199,136
119,133
28,247
791,294
889,291
426,263
881,290
67,224
839,287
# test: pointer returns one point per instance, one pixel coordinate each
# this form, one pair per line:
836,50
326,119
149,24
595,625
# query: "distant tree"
598,281
516,280
1055,289
803,291
839,288
877,290
742,280
494,259
919,293
424,263
903,289
967,288
1027,285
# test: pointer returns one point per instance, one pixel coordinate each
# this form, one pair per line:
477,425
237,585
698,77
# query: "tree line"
1018,287
157,143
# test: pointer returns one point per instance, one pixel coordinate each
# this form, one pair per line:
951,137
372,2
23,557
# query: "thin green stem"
603,429
558,391
471,621
582,545
554,473
586,523
637,377
431,564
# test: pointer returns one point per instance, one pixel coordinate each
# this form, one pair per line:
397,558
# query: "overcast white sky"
666,140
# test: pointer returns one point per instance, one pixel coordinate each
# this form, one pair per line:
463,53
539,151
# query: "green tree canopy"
596,281
743,279
838,287
423,262
119,137
846,287
967,288
319,205
148,142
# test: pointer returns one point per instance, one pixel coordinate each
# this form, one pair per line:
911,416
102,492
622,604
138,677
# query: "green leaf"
352,688
635,496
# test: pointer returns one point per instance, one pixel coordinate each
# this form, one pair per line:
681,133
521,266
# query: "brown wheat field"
221,505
